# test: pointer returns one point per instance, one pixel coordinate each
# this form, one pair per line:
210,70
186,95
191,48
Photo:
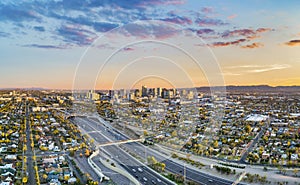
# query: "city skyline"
51,44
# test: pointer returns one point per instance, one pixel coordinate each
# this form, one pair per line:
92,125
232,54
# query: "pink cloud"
232,16
222,44
253,45
260,30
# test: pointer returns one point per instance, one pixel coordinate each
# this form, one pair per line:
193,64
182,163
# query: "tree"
145,133
45,176
72,153
248,128
295,172
55,132
174,133
87,153
215,144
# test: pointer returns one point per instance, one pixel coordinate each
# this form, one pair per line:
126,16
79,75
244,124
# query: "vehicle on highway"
158,180
153,181
145,179
134,170
140,170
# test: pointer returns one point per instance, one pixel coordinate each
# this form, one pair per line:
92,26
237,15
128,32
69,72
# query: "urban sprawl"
150,136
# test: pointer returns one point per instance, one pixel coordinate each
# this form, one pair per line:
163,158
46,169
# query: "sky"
64,44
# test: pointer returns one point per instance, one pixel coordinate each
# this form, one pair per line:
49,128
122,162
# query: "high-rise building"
137,93
111,93
144,91
158,91
92,95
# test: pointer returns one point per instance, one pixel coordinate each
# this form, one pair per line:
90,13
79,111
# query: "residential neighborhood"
41,141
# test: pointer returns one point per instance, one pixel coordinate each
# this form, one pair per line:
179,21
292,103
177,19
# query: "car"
145,179
210,180
153,181
140,170
158,180
133,170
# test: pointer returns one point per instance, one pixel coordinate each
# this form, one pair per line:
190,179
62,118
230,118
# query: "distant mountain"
254,88
25,88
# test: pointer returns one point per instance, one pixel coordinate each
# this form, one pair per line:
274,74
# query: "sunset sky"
123,44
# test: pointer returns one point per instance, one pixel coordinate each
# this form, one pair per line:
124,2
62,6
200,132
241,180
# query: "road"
29,151
254,141
103,135
94,127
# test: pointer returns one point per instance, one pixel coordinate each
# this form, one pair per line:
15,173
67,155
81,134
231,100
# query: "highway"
98,130
103,135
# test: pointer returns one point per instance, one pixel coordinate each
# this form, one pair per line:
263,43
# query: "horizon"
148,87
115,45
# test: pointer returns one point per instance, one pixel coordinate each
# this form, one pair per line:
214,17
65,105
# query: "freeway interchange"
102,132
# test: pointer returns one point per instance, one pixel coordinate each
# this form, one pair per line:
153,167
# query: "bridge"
67,115
121,142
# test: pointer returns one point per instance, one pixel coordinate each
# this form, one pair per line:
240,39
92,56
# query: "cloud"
205,31
259,68
158,30
253,45
179,20
76,35
127,49
232,16
207,10
4,34
240,32
293,43
260,30
160,2
222,44
209,22
79,22
269,68
39,28
43,46
230,74
104,26
17,14
248,33
105,46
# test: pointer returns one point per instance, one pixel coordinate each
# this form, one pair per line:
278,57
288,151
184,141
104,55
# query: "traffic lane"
179,169
194,175
176,168
92,131
93,126
116,177
115,150
127,160
106,131
97,138
144,149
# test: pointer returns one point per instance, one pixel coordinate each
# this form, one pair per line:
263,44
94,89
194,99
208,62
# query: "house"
54,182
294,157
265,155
7,168
72,180
5,183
